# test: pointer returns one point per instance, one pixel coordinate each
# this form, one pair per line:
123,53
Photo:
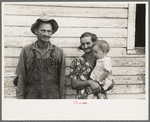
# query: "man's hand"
94,86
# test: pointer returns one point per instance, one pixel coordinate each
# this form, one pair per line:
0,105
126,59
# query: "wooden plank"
10,97
110,96
121,71
139,79
117,96
128,89
133,62
11,62
73,4
65,11
116,62
61,42
136,51
15,52
71,22
10,91
68,32
126,96
122,80
76,52
119,61
131,27
118,89
8,82
9,72
18,41
128,70
123,89
119,80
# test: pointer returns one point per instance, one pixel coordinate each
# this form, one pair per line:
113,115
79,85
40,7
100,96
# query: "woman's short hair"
102,45
88,34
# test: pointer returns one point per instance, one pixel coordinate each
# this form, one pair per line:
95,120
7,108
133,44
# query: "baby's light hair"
102,45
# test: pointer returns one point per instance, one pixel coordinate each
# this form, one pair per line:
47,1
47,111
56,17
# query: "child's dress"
102,65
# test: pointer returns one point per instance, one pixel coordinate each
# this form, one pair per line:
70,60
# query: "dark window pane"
140,26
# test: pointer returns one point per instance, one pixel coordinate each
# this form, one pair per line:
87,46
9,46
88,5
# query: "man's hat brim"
38,21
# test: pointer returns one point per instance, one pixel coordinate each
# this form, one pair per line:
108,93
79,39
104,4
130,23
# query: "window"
140,26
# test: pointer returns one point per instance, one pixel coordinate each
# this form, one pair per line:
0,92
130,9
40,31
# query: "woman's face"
86,44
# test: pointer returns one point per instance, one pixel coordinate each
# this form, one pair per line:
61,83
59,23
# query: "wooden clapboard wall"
107,21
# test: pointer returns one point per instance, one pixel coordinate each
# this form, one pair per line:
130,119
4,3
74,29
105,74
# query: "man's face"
44,32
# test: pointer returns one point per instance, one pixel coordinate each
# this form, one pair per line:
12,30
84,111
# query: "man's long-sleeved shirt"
25,60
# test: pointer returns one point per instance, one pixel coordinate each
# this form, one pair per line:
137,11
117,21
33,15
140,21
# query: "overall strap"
51,53
34,54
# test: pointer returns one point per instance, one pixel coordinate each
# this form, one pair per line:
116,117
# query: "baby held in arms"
102,72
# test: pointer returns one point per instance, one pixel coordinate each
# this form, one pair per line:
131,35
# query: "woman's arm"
78,85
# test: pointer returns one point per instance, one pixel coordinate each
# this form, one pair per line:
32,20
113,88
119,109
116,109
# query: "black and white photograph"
67,55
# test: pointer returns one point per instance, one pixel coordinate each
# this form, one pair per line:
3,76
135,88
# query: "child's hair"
103,45
88,34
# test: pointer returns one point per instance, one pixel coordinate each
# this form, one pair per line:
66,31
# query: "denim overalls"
42,81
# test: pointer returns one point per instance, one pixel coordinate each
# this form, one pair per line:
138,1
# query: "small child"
102,72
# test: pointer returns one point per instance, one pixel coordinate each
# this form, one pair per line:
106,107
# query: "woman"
82,67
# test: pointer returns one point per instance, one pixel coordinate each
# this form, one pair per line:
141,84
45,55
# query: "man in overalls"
41,66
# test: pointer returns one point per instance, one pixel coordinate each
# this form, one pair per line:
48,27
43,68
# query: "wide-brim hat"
38,21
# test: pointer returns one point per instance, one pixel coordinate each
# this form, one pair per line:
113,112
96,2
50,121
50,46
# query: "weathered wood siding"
107,21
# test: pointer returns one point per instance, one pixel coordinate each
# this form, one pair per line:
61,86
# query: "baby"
102,72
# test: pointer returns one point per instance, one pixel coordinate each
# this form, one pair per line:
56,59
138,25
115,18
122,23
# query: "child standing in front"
102,72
